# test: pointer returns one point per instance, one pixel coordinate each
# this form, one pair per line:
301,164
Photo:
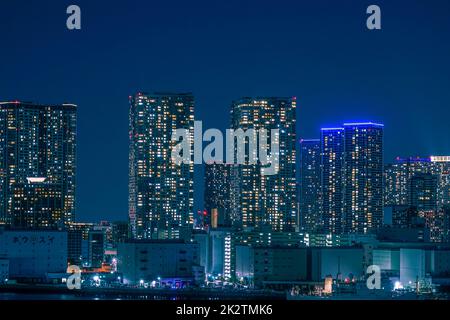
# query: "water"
38,296
70,297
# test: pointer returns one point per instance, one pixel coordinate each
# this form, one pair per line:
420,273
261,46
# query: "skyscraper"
161,195
120,232
310,185
332,163
397,176
421,185
404,217
423,191
37,164
441,168
437,223
363,197
268,199
217,197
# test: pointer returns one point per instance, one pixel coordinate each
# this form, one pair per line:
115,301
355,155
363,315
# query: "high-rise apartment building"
332,164
363,190
421,185
310,185
441,168
161,195
268,199
423,192
218,193
352,178
37,164
397,176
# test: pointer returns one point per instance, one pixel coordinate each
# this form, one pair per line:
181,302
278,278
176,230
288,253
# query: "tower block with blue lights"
352,178
363,176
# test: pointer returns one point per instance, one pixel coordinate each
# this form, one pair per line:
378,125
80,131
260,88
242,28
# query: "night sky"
319,51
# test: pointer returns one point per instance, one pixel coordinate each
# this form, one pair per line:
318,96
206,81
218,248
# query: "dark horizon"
321,52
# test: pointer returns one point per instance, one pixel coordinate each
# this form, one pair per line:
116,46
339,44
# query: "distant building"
75,247
267,199
363,191
162,261
265,237
266,266
446,226
337,240
218,192
107,228
32,254
397,178
96,247
120,232
409,263
245,263
203,239
332,163
219,246
441,168
352,178
438,223
441,266
4,270
310,185
37,164
407,225
413,233
417,189
262,237
84,227
340,263
412,265
404,216
387,259
423,192
279,264
78,242
161,194
221,259
37,205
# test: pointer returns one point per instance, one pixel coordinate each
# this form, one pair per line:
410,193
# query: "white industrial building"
32,254
409,262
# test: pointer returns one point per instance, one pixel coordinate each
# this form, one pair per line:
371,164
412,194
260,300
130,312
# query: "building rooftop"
363,124
157,241
30,103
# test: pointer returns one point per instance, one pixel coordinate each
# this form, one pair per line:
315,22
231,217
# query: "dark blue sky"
317,50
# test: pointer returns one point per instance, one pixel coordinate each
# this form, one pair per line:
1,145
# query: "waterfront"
60,293
47,292
37,296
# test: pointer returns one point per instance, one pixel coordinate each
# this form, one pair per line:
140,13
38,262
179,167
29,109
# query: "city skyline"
251,235
216,151
200,168
320,52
